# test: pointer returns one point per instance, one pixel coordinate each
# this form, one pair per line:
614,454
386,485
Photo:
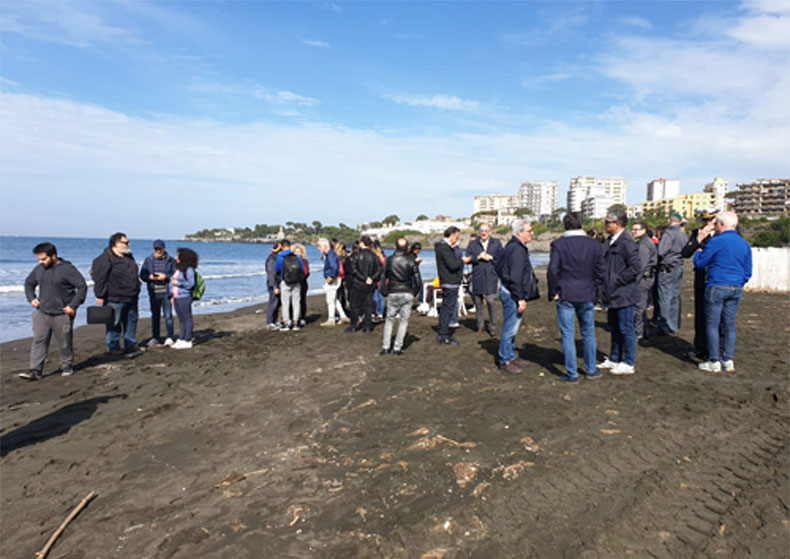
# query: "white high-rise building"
586,187
542,197
659,189
595,207
718,190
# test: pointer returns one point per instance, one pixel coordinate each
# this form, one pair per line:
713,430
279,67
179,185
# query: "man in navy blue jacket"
450,267
515,272
576,271
620,292
157,272
484,252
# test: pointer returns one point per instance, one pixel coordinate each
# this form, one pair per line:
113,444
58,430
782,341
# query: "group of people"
55,289
619,274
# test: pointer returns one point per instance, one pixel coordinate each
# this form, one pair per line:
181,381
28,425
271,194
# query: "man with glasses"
483,253
117,285
515,272
648,259
620,292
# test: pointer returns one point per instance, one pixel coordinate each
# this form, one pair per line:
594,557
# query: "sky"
162,118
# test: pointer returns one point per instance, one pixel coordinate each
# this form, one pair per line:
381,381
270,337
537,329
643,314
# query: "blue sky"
159,119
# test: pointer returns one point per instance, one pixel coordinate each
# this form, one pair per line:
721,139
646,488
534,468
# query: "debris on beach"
478,490
426,443
610,431
512,472
419,432
436,553
296,512
465,473
529,444
230,479
612,412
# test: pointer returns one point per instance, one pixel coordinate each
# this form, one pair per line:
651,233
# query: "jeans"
669,299
379,302
332,304
184,311
125,320
448,311
721,304
290,296
44,325
161,303
488,299
621,322
566,311
398,305
511,320
273,308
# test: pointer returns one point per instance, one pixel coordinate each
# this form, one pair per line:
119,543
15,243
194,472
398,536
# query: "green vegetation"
392,237
764,233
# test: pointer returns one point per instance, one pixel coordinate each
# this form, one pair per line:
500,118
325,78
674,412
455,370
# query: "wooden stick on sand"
43,553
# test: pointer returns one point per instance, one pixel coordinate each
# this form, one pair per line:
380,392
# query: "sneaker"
296,328
454,324
169,342
397,352
384,351
302,322
728,366
270,327
328,323
66,371
509,368
153,342
622,369
30,375
182,344
448,341
593,376
710,366
566,378
607,364
518,362
284,328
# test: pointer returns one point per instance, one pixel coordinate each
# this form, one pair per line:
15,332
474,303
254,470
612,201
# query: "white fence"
770,269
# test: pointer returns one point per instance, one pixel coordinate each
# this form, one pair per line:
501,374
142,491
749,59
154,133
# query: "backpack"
200,287
292,269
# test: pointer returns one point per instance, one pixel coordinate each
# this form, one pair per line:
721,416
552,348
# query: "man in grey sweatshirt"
670,275
61,289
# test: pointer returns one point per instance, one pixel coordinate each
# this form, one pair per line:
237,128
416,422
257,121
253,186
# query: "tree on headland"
374,224
422,217
391,220
524,211
317,227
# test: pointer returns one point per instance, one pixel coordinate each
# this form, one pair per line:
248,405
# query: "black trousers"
448,311
361,304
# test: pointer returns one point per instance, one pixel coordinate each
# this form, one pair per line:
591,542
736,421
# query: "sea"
234,273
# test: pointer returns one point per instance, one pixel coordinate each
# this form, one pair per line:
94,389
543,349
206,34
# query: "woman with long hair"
183,283
301,252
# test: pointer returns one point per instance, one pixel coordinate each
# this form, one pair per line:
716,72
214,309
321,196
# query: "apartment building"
718,191
542,197
595,207
658,189
687,205
763,197
586,187
495,202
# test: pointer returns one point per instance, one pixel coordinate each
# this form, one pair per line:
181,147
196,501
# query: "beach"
309,444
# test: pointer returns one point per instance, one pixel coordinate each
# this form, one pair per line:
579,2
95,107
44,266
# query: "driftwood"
43,553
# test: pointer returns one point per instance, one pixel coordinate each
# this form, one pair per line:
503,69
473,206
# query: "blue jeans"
510,322
448,311
125,320
621,322
721,304
185,322
161,303
669,299
379,302
565,316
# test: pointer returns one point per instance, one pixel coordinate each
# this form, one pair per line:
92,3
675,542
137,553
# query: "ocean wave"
237,275
232,300
8,289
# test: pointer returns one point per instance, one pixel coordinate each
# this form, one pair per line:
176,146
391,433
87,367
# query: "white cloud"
636,21
315,43
283,97
8,83
241,174
332,7
445,102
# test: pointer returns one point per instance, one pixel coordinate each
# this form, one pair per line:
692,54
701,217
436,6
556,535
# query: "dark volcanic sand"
434,454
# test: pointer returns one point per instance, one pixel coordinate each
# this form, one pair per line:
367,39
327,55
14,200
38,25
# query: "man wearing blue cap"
157,272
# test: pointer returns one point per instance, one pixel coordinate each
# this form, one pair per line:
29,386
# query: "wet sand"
308,444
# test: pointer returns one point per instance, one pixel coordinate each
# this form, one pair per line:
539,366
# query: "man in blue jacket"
728,258
484,252
515,272
576,271
157,271
620,292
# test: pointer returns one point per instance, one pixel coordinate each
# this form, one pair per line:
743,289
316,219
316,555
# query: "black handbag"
534,293
101,315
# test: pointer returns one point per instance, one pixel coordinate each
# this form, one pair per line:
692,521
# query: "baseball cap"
159,243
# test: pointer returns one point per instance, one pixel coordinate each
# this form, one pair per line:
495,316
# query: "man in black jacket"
484,252
61,289
451,270
366,272
515,272
708,218
648,259
273,286
401,282
117,285
621,293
